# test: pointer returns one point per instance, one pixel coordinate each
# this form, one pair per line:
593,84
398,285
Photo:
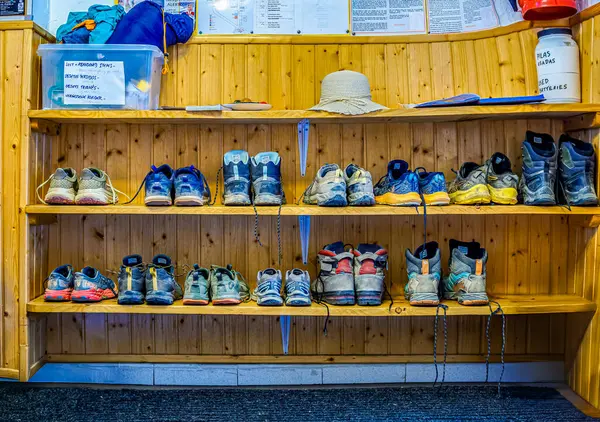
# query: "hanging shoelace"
37,191
435,334
319,300
139,189
497,311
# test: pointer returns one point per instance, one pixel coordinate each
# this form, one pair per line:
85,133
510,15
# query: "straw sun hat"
346,92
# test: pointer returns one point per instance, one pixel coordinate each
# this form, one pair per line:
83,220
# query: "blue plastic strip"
304,222
303,130
286,322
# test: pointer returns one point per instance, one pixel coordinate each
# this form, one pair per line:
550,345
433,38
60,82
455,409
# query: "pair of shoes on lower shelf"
222,285
465,283
268,288
87,285
348,275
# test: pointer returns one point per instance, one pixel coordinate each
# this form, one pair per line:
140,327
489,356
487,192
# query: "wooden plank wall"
525,255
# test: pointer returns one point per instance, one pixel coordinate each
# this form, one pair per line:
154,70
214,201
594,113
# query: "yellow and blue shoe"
433,187
470,186
399,187
501,181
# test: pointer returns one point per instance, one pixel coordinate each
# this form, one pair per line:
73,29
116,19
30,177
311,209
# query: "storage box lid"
59,48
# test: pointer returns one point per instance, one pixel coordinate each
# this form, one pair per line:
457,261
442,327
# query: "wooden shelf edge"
511,304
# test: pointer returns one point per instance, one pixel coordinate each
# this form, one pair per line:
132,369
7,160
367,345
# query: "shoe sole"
326,200
478,194
226,302
236,199
438,198
195,302
399,199
92,197
58,295
189,201
158,201
423,299
266,199
468,299
503,196
130,297
159,298
340,298
60,196
364,200
297,302
91,295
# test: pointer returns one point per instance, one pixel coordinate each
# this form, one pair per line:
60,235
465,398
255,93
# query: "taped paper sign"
94,82
388,16
461,15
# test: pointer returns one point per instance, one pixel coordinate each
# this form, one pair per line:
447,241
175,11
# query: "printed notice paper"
461,15
225,16
388,16
98,83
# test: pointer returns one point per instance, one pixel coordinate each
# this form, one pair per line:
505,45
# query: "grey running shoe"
268,288
63,187
424,273
297,288
95,188
161,287
132,281
467,279
328,189
539,169
359,186
501,181
470,186
227,286
577,170
335,282
370,263
196,286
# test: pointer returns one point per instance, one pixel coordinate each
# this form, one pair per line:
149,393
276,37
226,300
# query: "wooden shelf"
511,304
408,115
294,210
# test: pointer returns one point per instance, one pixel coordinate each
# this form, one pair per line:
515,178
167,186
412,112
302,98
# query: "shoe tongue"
337,247
351,169
471,249
89,271
467,168
65,172
500,163
297,271
368,247
397,168
328,168
266,158
427,250
542,143
235,157
132,260
270,271
62,270
162,260
91,172
164,169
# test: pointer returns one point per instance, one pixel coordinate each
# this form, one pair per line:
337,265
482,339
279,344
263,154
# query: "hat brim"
342,107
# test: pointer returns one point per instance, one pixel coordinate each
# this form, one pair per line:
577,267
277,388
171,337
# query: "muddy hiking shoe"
265,168
467,279
161,286
370,264
538,179
577,171
236,177
424,268
196,286
227,286
328,188
335,281
132,283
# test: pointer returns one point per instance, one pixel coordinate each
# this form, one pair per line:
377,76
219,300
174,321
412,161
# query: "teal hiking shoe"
161,287
196,286
227,286
268,288
424,273
297,288
132,281
467,279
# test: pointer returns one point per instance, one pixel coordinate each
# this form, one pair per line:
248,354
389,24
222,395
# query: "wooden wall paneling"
586,58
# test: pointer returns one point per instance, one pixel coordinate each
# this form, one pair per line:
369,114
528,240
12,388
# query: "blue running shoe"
236,174
196,287
161,287
432,186
297,288
60,284
577,169
467,279
328,189
159,186
266,179
538,180
191,187
424,269
399,186
359,186
91,286
268,288
131,281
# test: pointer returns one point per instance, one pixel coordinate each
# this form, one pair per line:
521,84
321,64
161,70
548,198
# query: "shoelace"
319,300
497,311
37,191
139,189
435,334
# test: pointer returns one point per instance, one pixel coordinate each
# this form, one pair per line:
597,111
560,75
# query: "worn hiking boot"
132,281
196,286
191,187
335,282
424,269
60,284
539,169
470,186
297,288
501,181
359,186
328,189
227,286
91,286
266,179
236,177
161,287
467,279
577,170
399,186
268,288
432,186
370,264
63,187
159,186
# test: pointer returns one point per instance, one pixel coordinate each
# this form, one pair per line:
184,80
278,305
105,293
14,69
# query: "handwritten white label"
94,83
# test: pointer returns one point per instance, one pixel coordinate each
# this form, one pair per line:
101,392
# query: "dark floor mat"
20,402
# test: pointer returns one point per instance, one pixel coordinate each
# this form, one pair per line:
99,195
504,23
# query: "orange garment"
89,24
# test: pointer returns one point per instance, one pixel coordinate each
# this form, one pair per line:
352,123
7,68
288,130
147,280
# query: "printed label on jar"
557,60
563,86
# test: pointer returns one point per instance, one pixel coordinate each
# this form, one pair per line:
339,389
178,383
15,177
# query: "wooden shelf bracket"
303,131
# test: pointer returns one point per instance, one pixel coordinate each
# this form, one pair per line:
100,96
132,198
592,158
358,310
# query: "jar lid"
554,31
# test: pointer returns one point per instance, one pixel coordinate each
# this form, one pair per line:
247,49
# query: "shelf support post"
285,321
303,129
304,223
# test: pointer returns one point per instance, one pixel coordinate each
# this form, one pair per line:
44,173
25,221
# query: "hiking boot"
95,188
424,273
359,186
60,284
432,186
266,179
63,187
161,287
91,286
191,187
466,281
470,186
236,176
297,288
370,263
227,287
335,282
131,281
577,170
328,189
268,288
539,169
399,186
159,186
501,181
196,286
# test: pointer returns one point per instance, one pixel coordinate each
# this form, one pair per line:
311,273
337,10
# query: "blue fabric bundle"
105,17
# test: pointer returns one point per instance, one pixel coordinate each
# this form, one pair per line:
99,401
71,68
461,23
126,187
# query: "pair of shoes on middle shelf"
221,285
268,288
186,186
333,187
465,283
87,285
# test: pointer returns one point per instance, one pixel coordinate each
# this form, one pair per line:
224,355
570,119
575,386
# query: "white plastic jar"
557,58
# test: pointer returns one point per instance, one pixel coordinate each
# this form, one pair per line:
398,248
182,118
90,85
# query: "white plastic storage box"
93,76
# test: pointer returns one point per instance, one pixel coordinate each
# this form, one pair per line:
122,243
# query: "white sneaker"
328,189
95,188
63,187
